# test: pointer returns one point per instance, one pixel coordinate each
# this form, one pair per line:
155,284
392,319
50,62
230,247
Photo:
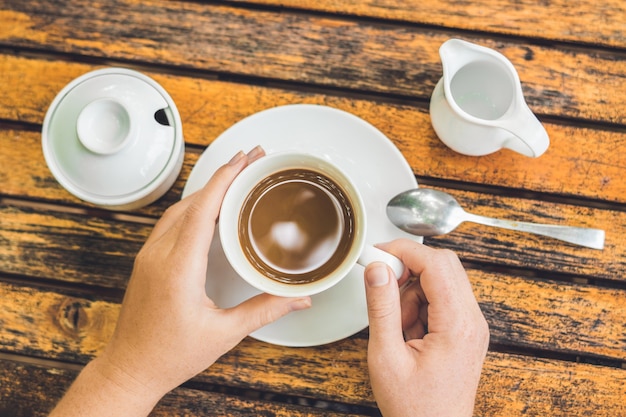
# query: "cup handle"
373,254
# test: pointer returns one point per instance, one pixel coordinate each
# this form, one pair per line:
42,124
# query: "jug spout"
481,84
456,53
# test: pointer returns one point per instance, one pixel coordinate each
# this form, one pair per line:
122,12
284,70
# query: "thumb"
383,305
263,309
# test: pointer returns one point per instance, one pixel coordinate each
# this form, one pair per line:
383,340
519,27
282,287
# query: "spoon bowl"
425,212
428,212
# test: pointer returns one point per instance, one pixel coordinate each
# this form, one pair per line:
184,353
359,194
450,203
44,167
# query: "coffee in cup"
293,224
297,226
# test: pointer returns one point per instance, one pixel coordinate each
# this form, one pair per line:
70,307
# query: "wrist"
103,389
119,380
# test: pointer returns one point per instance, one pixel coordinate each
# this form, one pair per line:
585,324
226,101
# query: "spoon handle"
590,238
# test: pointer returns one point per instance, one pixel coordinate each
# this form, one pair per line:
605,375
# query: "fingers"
414,311
173,215
263,309
444,283
442,276
198,218
383,307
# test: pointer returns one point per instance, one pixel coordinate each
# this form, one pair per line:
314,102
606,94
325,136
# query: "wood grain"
552,316
69,247
71,328
31,390
64,264
86,248
24,174
513,385
359,56
581,21
495,246
545,315
583,162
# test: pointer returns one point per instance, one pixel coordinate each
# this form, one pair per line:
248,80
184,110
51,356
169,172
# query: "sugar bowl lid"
113,137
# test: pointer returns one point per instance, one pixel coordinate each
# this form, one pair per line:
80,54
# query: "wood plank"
98,249
24,174
400,60
581,162
555,316
511,385
69,247
31,390
495,246
309,49
552,316
522,386
584,21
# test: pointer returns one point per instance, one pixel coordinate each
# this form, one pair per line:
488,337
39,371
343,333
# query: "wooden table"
557,312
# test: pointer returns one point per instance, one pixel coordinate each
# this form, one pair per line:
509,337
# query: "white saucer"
366,155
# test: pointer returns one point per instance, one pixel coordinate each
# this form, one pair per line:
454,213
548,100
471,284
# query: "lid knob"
104,126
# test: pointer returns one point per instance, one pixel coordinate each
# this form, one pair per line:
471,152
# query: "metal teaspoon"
427,212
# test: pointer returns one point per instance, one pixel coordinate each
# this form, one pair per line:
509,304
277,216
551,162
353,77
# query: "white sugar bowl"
113,137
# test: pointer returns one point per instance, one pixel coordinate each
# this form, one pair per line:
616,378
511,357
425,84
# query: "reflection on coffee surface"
296,226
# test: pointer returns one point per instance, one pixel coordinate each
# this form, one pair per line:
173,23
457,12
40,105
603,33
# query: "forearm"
102,390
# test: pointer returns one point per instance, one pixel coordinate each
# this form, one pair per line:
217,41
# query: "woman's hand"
427,345
168,329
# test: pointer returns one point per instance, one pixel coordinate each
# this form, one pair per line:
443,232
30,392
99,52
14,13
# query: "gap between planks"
243,393
400,23
274,83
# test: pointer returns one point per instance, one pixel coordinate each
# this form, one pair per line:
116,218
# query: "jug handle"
529,137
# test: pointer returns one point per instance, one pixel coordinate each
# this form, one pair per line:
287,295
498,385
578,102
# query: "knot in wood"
72,316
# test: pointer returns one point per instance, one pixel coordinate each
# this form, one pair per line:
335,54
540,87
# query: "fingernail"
235,159
377,276
300,304
257,151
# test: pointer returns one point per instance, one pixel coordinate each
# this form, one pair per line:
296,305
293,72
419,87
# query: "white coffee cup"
234,229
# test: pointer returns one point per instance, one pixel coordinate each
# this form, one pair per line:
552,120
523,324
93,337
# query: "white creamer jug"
478,107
